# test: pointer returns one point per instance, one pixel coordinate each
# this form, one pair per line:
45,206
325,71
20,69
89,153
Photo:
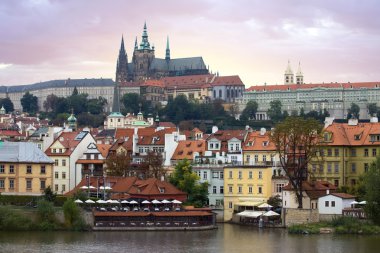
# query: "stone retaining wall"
292,216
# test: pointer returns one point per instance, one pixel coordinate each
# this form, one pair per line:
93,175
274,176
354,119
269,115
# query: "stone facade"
291,216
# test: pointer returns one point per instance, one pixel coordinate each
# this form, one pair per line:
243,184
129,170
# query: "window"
43,169
63,188
221,175
56,162
329,167
237,146
314,168
230,204
332,203
240,189
256,158
366,167
366,152
353,167
279,187
221,190
260,190
42,184
230,174
336,182
336,152
11,169
260,175
250,175
250,189
11,184
336,168
63,175
2,184
56,187
29,184
2,170
326,204
204,174
215,174
264,158
329,152
240,175
214,189
29,169
353,152
56,175
248,158
321,168
374,152
230,189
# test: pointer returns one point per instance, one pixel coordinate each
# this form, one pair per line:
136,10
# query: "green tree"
46,215
49,195
297,141
132,103
275,112
7,103
96,105
372,189
372,109
78,103
275,201
188,181
249,111
75,92
29,103
153,163
353,111
73,218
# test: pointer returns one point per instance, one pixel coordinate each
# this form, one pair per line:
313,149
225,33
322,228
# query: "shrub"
13,220
60,200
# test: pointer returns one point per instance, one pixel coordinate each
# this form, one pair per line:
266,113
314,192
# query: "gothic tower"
299,74
289,76
122,64
142,57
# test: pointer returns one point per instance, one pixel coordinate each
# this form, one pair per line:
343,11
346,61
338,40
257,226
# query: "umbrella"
115,201
124,202
145,202
176,202
105,188
363,202
110,201
133,202
264,205
78,201
156,201
84,187
354,202
165,201
100,201
270,213
108,188
90,201
92,187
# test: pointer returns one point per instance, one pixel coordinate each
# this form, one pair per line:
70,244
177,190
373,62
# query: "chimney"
262,131
327,191
374,119
353,122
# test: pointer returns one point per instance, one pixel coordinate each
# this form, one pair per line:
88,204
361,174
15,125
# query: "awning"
249,203
250,214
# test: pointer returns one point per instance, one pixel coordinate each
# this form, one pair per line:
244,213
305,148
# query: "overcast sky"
335,40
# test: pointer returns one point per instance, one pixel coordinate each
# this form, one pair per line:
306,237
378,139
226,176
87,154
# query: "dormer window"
162,190
265,143
250,143
357,137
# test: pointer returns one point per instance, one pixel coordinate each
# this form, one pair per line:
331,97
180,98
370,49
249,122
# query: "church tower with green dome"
72,122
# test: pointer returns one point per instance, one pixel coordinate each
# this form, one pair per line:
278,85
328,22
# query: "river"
228,238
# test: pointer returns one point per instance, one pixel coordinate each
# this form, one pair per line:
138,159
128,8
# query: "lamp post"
88,185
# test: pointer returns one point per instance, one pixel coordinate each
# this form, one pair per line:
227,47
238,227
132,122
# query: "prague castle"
145,65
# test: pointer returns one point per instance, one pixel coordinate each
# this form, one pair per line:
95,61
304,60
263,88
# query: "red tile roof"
227,80
257,142
343,195
67,139
186,149
103,149
10,133
157,138
314,189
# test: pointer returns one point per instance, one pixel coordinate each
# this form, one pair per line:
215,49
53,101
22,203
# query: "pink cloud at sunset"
335,41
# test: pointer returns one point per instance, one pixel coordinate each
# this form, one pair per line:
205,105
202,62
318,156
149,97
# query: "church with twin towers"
145,65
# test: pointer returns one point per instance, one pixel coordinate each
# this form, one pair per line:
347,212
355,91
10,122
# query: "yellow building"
245,187
24,169
347,151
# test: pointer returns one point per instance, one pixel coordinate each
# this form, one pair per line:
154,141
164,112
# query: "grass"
341,225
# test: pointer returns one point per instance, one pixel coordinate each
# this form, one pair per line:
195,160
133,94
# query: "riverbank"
341,225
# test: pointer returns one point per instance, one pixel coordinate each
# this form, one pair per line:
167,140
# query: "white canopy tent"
250,213
165,201
270,213
90,201
145,202
264,205
176,202
78,201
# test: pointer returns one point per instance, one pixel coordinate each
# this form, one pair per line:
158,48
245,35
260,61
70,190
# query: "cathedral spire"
288,76
136,47
167,55
299,74
145,43
122,64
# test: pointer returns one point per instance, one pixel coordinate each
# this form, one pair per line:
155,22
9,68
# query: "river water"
227,238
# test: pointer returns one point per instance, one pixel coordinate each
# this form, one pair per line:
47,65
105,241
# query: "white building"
334,203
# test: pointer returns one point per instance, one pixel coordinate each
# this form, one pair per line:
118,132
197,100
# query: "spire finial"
167,55
145,43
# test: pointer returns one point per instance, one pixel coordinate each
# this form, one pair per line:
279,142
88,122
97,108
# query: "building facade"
24,169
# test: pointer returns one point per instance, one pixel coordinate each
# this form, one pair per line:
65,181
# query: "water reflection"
228,238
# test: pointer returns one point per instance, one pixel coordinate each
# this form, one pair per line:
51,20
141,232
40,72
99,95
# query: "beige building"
24,169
